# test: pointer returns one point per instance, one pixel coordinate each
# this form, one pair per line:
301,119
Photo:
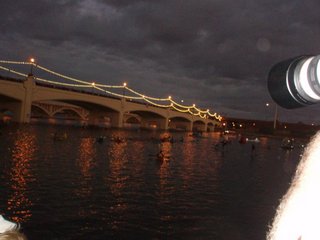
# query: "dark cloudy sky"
215,53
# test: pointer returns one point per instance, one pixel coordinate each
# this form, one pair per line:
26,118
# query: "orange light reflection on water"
86,163
118,161
22,154
86,155
164,173
118,178
188,153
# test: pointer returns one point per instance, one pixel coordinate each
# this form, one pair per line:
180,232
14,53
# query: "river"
80,188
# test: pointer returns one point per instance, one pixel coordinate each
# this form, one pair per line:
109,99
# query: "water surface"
78,188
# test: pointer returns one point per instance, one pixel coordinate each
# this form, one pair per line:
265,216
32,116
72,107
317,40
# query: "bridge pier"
117,120
189,127
164,124
25,108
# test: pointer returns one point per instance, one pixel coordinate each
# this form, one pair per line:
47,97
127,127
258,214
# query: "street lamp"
32,60
124,88
93,84
275,115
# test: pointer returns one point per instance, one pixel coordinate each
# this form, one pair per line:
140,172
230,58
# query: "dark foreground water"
79,188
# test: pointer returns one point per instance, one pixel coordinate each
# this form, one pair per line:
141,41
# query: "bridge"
91,103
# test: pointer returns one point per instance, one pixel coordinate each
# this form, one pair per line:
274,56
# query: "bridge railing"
135,96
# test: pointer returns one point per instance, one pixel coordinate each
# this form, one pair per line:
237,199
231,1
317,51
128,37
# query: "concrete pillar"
165,124
25,112
205,127
117,120
123,103
190,127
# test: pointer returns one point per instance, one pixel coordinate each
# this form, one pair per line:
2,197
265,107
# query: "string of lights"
63,84
13,71
170,103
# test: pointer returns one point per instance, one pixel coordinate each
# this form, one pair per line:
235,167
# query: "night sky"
214,53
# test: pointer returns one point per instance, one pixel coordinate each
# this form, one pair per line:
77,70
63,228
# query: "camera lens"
295,82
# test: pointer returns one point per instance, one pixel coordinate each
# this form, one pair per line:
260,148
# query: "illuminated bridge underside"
26,100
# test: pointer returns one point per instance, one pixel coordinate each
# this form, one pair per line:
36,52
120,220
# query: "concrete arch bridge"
29,99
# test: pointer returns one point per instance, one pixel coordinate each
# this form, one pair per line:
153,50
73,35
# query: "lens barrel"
295,83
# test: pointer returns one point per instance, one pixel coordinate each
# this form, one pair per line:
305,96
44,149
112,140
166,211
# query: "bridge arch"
131,118
180,123
67,110
150,119
97,113
199,125
52,108
39,111
210,126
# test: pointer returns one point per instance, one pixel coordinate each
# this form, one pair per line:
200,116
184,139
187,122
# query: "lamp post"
32,60
275,115
124,89
93,84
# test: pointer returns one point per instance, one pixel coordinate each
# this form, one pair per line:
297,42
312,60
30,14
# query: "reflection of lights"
117,155
22,154
118,179
188,152
165,148
86,155
86,163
